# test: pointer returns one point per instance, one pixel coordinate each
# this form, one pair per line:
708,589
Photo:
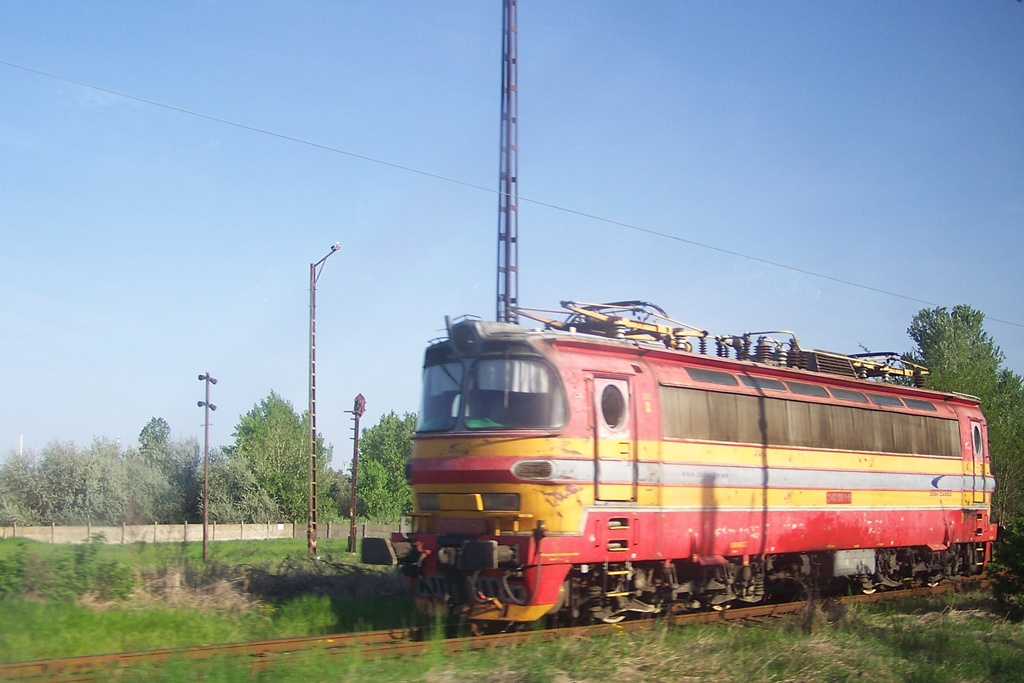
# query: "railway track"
405,642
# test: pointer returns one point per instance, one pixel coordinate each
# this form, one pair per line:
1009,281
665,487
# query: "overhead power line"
463,183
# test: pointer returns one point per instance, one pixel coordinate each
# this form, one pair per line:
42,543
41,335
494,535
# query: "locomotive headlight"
500,501
534,469
429,501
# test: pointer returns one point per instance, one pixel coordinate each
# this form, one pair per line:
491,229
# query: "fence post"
53,531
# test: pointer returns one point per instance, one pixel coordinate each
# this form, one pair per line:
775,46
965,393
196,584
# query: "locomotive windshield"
442,387
500,393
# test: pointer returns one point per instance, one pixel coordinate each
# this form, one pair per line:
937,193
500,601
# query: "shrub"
12,570
1008,564
67,574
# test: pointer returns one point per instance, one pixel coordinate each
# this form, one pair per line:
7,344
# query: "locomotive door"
978,458
614,440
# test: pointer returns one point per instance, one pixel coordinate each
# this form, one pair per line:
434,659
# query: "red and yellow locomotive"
600,466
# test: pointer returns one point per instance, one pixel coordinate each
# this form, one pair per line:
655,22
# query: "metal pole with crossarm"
206,465
314,275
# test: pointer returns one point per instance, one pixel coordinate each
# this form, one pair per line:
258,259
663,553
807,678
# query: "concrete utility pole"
314,275
206,465
357,412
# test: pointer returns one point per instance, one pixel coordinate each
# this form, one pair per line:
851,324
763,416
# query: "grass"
270,589
56,604
151,555
959,638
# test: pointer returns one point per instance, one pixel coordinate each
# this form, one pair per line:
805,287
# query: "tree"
274,442
169,473
235,495
384,449
21,490
962,357
339,488
955,347
154,435
102,484
79,486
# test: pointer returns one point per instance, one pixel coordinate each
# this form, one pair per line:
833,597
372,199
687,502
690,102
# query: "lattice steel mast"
508,191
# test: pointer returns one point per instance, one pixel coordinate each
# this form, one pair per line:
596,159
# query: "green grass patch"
64,601
67,600
953,638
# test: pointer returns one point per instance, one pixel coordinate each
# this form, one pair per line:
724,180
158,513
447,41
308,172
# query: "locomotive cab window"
979,443
442,388
513,393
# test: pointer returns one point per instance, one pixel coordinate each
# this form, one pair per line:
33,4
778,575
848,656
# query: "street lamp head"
213,380
200,403
336,247
202,378
213,407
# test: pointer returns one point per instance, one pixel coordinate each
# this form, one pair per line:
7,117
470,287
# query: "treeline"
262,477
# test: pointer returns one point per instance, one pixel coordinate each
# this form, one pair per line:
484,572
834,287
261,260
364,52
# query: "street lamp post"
314,275
357,412
206,464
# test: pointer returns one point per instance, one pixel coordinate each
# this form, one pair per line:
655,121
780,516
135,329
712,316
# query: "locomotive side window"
737,418
979,443
613,407
917,404
807,389
847,395
885,400
442,387
713,376
513,393
763,383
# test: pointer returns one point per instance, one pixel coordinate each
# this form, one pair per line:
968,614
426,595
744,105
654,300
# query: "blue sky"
874,142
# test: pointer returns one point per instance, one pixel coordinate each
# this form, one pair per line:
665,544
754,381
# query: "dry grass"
239,589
